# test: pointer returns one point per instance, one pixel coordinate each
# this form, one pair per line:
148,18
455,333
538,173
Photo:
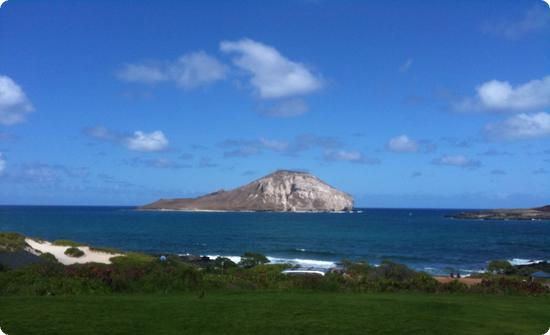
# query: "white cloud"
138,141
349,156
14,104
535,19
147,142
287,108
403,143
273,75
2,164
457,160
190,71
520,126
142,73
502,96
197,69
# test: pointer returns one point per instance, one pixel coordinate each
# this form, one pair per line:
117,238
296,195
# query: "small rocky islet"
281,191
539,213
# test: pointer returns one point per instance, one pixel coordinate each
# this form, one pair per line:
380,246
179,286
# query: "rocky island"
281,191
540,213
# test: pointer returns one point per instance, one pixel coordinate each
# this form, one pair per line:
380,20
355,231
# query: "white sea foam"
521,261
234,259
302,263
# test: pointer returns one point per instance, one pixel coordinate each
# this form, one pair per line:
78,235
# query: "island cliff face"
540,213
281,191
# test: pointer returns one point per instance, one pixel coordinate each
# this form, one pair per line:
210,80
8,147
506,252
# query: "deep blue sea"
421,238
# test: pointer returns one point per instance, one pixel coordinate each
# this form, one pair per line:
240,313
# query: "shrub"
106,250
67,243
500,267
222,265
132,259
356,268
49,257
512,285
74,252
12,241
251,259
391,271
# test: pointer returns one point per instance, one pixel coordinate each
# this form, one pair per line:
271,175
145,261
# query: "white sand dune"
90,256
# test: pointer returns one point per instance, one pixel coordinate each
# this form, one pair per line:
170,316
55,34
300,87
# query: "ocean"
424,239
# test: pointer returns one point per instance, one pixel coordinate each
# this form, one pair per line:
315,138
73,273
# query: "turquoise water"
423,239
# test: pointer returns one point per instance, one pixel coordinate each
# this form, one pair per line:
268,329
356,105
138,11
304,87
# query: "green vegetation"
140,293
49,257
139,273
275,313
500,267
251,259
67,243
106,250
132,258
11,241
74,252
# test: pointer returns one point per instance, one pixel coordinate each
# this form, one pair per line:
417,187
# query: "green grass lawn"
276,313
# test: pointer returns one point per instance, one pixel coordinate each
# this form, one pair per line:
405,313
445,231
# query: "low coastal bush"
11,241
221,265
504,285
49,257
106,250
132,258
501,267
142,273
67,243
251,259
74,252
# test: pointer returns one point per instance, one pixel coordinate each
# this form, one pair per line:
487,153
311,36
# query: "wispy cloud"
540,171
495,152
286,108
459,142
46,175
533,20
190,71
137,141
300,143
458,161
3,163
520,126
207,162
349,156
498,172
157,163
405,67
404,144
14,104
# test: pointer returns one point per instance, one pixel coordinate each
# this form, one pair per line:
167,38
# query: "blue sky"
399,103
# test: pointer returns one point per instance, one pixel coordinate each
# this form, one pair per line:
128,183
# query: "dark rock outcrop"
281,191
541,213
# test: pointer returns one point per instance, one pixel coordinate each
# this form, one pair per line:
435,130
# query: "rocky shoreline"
531,214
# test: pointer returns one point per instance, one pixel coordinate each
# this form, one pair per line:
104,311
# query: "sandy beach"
90,256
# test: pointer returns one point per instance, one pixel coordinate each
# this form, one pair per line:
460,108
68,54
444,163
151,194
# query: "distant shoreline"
524,214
